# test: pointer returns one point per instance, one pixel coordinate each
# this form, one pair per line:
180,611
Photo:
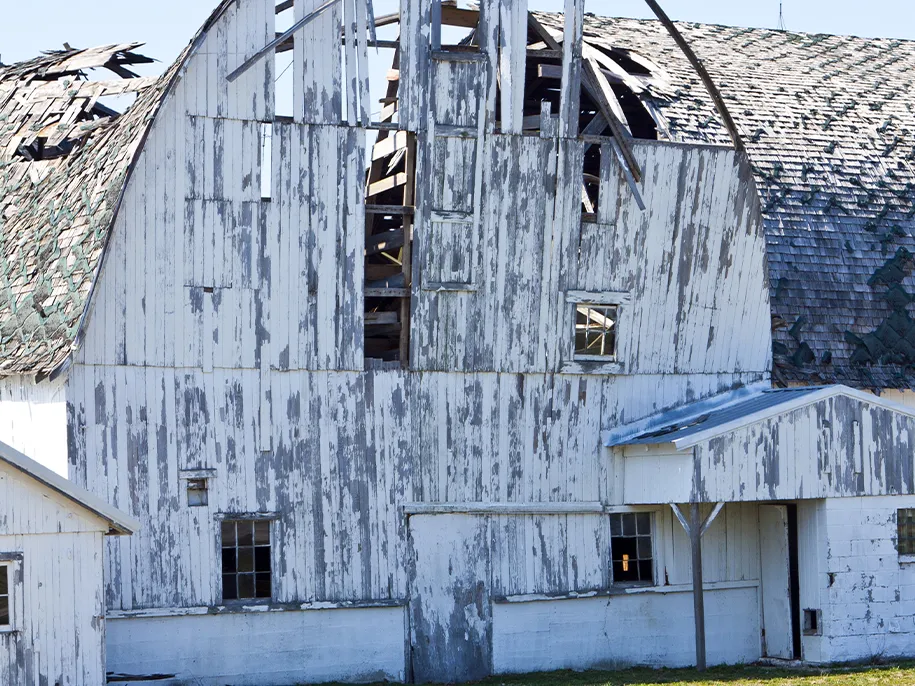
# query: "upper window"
630,548
595,331
4,596
905,531
246,568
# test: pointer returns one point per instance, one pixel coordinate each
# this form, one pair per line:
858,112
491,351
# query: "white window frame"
13,564
595,364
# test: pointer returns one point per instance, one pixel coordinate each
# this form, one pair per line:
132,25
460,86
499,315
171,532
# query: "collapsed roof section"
828,123
64,156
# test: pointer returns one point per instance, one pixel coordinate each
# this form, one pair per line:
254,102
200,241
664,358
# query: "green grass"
752,675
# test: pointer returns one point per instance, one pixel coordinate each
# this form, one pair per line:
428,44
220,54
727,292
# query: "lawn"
880,675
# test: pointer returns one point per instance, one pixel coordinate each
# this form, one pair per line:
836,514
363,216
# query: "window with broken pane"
246,566
905,531
595,330
630,548
4,596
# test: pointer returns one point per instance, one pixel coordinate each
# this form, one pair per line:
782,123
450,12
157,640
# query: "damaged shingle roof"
63,160
64,164
829,127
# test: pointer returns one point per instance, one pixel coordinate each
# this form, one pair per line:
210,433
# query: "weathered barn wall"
835,447
57,588
263,648
349,449
226,333
33,419
867,591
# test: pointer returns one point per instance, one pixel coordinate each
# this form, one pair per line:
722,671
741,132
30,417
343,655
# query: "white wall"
57,587
262,648
868,591
33,420
650,628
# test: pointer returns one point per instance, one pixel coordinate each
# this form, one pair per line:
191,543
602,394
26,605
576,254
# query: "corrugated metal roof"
668,432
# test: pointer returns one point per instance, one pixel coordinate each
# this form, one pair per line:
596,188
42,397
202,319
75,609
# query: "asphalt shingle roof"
829,126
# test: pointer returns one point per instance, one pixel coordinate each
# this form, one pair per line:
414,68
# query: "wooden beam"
703,74
599,88
279,40
695,544
695,527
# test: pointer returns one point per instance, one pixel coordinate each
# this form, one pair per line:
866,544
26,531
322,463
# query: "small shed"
52,601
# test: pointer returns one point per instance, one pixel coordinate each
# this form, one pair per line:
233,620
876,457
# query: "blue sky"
167,25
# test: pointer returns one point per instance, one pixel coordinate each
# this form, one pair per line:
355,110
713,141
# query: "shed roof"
695,423
119,522
829,125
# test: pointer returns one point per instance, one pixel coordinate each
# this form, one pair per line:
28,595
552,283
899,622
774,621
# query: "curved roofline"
173,74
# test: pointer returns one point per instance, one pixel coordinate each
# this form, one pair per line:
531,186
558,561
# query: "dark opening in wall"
390,195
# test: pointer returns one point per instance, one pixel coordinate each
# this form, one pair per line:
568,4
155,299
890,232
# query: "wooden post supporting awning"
695,528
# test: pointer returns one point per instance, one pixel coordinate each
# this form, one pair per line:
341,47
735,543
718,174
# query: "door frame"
794,603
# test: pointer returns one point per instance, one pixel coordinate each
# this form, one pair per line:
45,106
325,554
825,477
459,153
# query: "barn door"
450,611
775,576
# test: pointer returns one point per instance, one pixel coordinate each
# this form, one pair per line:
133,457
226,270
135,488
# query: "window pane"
228,533
624,547
4,610
245,533
645,570
263,586
246,586
262,533
905,531
644,547
229,564
228,587
246,559
628,525
262,559
616,525
643,523
4,585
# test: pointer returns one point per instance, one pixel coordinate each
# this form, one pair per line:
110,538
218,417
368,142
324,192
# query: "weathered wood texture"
837,447
57,590
691,264
33,420
348,450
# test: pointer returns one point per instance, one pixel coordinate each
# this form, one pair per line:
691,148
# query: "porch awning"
769,444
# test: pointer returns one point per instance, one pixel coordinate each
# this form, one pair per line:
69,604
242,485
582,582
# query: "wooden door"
450,609
775,576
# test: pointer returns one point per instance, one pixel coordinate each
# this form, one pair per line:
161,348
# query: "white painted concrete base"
621,630
262,649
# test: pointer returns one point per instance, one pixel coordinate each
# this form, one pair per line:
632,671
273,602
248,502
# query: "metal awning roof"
694,423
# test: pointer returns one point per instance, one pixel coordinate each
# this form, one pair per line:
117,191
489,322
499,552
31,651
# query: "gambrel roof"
829,126
64,163
827,122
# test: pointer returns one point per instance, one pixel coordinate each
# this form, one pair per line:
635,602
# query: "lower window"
631,548
246,565
905,531
4,596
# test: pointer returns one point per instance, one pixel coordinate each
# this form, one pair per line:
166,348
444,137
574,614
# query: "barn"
52,588
591,348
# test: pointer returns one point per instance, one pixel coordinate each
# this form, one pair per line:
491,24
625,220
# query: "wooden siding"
349,449
836,447
56,587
